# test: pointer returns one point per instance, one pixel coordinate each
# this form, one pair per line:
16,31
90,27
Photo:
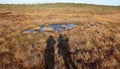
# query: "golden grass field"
99,46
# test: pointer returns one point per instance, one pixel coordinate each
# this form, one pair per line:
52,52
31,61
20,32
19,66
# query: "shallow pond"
57,27
52,28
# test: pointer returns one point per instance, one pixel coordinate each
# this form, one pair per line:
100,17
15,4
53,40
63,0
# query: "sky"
99,2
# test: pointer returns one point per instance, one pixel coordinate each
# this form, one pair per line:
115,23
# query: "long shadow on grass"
63,50
49,53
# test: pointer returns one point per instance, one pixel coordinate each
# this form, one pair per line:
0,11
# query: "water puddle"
52,28
29,31
56,27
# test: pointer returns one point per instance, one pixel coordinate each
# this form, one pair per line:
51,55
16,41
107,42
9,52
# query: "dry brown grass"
100,44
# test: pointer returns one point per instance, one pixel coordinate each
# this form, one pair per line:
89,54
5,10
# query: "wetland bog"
95,44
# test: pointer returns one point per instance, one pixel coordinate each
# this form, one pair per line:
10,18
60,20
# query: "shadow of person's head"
66,38
50,40
61,36
61,39
51,37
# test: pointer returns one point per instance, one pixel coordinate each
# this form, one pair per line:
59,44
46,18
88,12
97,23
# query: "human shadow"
49,53
63,50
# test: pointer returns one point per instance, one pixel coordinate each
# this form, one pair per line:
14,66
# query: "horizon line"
59,3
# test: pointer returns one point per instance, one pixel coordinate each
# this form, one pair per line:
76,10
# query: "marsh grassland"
91,47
